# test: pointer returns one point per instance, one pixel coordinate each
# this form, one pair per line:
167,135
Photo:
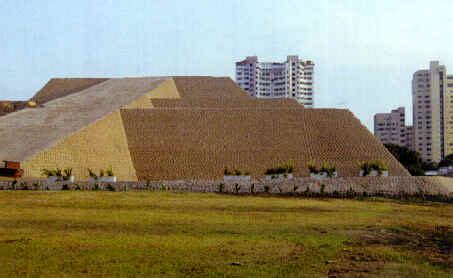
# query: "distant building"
432,100
290,79
390,128
410,137
448,117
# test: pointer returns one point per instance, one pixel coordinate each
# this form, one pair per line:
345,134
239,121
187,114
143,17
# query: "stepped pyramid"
167,128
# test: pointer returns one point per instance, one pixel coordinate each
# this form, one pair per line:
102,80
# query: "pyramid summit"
167,128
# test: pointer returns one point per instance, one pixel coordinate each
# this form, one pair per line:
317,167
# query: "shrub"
237,172
227,172
373,165
410,159
59,172
48,173
312,168
378,165
447,161
325,168
67,173
328,169
270,171
92,174
109,172
286,168
365,167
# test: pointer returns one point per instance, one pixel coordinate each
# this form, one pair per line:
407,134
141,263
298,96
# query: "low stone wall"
369,185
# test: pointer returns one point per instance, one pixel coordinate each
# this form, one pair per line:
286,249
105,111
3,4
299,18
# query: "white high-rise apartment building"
433,115
448,116
290,79
409,137
390,128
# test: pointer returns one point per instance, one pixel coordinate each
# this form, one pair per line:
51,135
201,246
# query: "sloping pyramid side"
101,145
166,90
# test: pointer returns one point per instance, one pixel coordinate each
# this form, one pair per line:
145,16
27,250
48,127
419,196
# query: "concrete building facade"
290,79
390,128
431,112
409,137
448,116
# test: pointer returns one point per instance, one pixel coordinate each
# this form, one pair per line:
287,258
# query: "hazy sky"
365,51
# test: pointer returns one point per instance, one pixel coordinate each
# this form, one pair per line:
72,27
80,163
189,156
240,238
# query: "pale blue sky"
365,51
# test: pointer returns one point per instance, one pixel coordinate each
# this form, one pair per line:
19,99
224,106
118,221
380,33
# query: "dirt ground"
358,259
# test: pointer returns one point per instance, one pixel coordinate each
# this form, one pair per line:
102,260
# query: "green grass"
58,234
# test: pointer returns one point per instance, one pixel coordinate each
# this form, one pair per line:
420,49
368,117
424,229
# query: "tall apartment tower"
432,118
410,137
448,117
290,79
390,128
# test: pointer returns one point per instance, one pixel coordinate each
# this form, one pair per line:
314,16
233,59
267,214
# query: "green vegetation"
286,168
58,172
413,161
326,168
379,166
48,173
102,173
373,165
235,172
365,167
101,233
447,161
312,168
92,174
67,173
410,159
109,172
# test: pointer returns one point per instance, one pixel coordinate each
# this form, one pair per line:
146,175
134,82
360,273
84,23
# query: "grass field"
58,234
